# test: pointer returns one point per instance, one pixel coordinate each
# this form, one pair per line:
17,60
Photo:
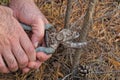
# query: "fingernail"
36,44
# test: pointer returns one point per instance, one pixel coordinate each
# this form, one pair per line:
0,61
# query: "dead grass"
103,55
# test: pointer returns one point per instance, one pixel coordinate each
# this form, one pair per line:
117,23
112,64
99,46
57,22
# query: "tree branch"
68,13
87,23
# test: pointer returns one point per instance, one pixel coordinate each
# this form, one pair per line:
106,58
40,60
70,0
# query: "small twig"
68,13
105,72
108,14
73,25
67,76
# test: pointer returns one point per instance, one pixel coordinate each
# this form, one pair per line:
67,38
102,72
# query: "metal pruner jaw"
75,34
66,35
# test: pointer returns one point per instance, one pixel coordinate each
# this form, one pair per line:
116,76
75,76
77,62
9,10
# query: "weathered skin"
15,46
16,49
27,12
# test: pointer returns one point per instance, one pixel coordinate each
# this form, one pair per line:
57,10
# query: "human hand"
16,48
27,12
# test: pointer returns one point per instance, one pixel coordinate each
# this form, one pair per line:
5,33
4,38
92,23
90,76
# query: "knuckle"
6,43
24,63
20,52
10,11
7,10
38,19
11,61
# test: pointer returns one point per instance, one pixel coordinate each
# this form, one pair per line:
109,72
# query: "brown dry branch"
68,13
108,14
87,23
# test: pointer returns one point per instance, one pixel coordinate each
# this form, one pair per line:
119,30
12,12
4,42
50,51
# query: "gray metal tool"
47,50
54,38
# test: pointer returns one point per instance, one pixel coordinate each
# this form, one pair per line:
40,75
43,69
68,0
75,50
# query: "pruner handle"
47,50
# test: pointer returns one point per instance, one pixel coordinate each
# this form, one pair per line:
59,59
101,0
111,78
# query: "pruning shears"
54,38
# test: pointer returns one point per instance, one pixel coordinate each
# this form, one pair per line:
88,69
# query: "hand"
16,48
27,12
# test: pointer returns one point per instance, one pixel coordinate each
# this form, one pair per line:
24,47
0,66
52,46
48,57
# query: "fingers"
25,70
38,32
42,56
10,60
32,65
19,54
3,68
28,47
37,64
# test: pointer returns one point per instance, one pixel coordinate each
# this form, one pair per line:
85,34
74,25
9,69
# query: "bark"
87,23
68,13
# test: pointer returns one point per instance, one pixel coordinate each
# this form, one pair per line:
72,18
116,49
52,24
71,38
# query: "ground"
102,56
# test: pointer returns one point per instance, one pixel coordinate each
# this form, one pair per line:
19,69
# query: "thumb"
38,32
